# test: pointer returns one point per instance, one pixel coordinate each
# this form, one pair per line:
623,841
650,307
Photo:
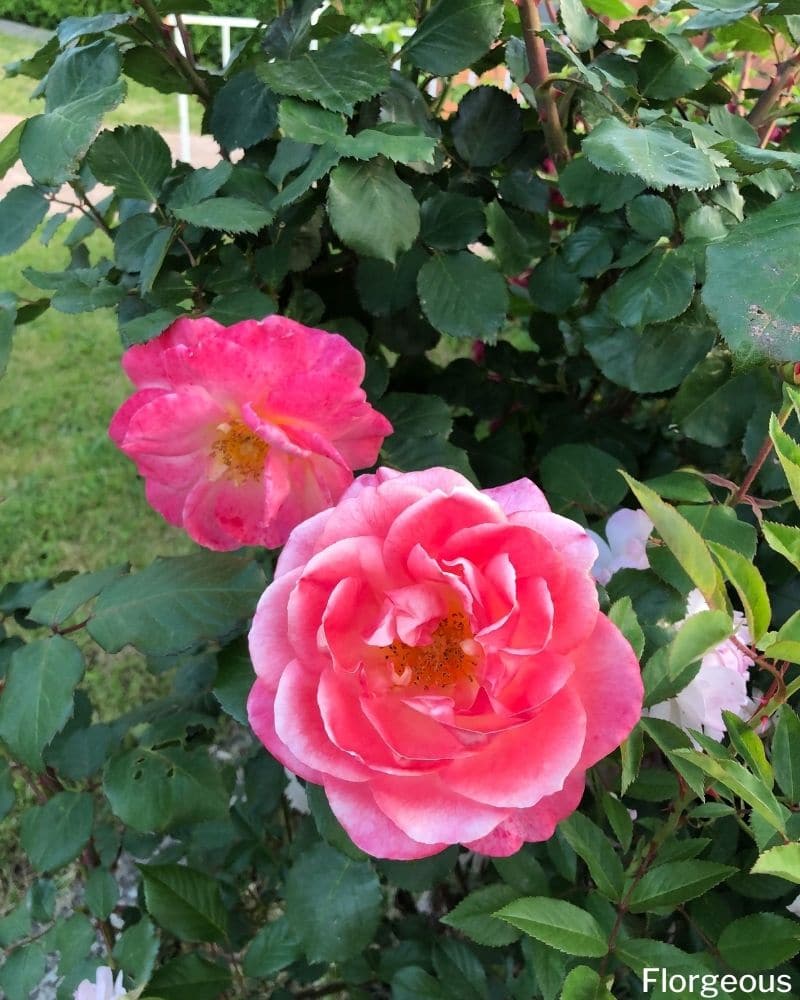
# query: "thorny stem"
763,454
785,75
537,76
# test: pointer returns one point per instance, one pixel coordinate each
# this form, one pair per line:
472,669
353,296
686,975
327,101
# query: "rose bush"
242,432
435,657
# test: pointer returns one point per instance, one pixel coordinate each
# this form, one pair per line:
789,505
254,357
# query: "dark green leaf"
230,215
82,85
676,882
56,606
189,977
21,211
578,24
338,76
22,971
559,924
102,893
69,813
372,210
552,286
760,941
272,949
136,950
9,148
590,843
333,904
488,126
659,289
154,790
656,156
454,34
463,295
786,753
185,902
473,916
199,185
37,698
584,476
451,221
133,159
244,112
176,604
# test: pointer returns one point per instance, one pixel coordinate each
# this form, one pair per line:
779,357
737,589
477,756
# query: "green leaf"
665,73
8,796
760,316
136,950
58,604
650,216
473,916
788,452
654,359
740,782
417,876
552,286
583,184
345,72
631,753
675,882
488,126
37,698
198,186
451,221
668,738
584,983
454,34
422,425
186,902
583,476
749,746
244,112
333,904
783,539
654,155
590,843
22,971
235,677
459,968
462,295
657,290
21,211
579,25
786,753
229,215
328,826
133,159
759,941
782,861
516,241
272,949
9,148
622,615
189,977
102,892
640,954
82,85
556,923
176,604
413,983
155,790
69,813
749,586
681,539
372,210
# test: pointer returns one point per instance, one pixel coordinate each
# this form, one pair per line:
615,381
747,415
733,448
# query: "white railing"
225,24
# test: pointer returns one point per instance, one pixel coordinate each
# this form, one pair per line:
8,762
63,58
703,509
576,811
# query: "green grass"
142,106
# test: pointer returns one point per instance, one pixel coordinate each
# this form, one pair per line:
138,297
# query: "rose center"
450,656
240,450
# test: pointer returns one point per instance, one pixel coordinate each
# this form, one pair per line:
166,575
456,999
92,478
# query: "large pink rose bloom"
435,657
242,432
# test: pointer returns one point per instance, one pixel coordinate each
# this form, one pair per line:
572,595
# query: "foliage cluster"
598,272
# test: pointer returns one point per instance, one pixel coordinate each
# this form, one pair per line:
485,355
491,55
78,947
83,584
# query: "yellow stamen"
443,662
240,451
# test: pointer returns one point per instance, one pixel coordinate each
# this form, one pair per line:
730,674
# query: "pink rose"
720,684
434,656
242,432
103,988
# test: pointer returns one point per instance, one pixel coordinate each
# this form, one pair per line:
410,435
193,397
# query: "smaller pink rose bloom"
242,432
104,987
434,655
627,532
720,684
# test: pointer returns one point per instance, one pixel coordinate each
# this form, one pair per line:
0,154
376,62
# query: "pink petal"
523,765
608,682
369,827
261,713
148,364
270,648
223,515
428,811
521,495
